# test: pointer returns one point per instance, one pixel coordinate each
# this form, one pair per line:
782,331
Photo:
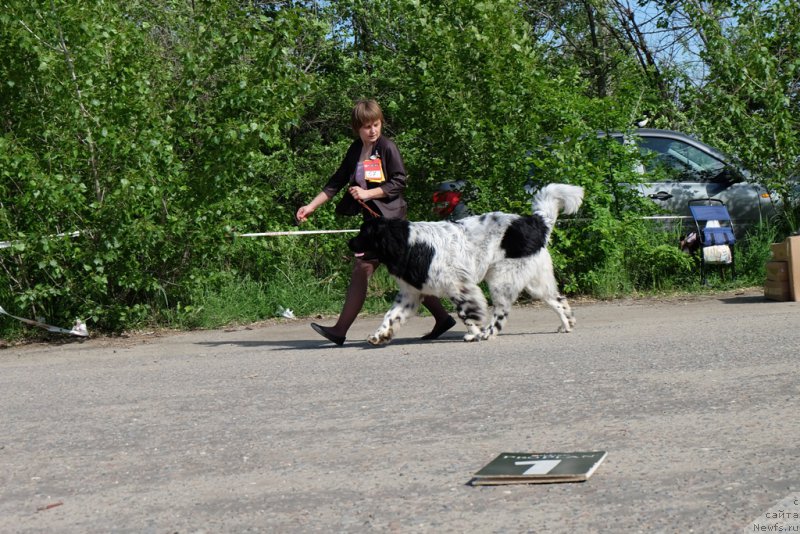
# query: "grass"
659,270
655,270
241,301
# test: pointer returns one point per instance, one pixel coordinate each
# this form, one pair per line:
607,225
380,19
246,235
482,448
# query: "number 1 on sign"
539,467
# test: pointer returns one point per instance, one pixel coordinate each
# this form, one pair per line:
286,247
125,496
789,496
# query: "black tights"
357,294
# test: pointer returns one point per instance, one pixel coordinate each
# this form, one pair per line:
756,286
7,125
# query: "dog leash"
370,210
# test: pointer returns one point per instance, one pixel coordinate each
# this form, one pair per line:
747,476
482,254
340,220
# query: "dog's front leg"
472,309
405,305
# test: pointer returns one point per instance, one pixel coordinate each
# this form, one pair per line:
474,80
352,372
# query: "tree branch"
79,95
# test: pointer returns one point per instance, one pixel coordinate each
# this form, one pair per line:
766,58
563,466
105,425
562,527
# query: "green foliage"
749,105
155,133
159,129
753,253
308,279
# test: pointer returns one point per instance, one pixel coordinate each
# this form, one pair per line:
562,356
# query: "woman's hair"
365,112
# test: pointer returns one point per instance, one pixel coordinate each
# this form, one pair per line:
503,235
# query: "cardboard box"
789,251
778,271
776,290
780,251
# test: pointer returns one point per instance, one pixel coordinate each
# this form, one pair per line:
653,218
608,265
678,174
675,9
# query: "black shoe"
438,329
324,332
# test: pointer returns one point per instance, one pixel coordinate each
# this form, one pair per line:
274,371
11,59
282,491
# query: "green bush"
159,130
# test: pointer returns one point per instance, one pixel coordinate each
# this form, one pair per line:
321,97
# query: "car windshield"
672,159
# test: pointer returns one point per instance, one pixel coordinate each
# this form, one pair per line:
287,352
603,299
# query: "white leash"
8,244
296,232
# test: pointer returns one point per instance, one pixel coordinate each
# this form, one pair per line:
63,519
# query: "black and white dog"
450,259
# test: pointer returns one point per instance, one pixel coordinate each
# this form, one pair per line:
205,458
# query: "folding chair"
715,233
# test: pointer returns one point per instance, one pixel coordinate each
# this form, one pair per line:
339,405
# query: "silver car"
676,168
682,169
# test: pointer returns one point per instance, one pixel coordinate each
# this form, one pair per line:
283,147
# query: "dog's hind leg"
542,286
503,298
567,311
561,307
471,308
405,305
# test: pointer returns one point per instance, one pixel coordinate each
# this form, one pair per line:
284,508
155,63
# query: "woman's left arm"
395,171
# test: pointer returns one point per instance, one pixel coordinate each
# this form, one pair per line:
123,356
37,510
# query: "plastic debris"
285,312
78,329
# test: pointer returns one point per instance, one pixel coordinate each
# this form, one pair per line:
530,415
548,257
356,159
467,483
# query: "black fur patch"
387,240
414,269
381,239
525,237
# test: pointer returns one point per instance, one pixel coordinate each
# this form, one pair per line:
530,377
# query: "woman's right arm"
311,207
335,183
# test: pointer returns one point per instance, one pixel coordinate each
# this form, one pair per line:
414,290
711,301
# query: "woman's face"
370,132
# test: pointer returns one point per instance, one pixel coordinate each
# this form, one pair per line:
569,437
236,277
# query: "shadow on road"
309,344
304,344
745,299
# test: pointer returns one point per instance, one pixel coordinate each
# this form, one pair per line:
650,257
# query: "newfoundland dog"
449,259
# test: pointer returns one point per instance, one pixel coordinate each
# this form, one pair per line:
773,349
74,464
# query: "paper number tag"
373,171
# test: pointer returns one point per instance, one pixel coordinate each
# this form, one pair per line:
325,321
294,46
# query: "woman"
373,172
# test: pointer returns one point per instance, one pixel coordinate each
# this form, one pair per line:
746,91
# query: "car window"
670,160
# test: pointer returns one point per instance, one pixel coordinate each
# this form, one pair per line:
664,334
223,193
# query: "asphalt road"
271,429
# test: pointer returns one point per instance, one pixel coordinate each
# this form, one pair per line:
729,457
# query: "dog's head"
380,239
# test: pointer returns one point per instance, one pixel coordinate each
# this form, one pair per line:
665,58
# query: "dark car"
676,168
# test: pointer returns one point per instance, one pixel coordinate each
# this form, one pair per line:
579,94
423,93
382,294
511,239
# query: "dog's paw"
488,334
472,337
564,330
380,338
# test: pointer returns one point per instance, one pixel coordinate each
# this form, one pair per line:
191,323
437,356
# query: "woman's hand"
359,193
303,212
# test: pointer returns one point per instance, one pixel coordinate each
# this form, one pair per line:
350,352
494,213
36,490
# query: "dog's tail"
555,198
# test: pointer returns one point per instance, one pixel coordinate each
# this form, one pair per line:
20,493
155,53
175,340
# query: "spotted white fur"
508,251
